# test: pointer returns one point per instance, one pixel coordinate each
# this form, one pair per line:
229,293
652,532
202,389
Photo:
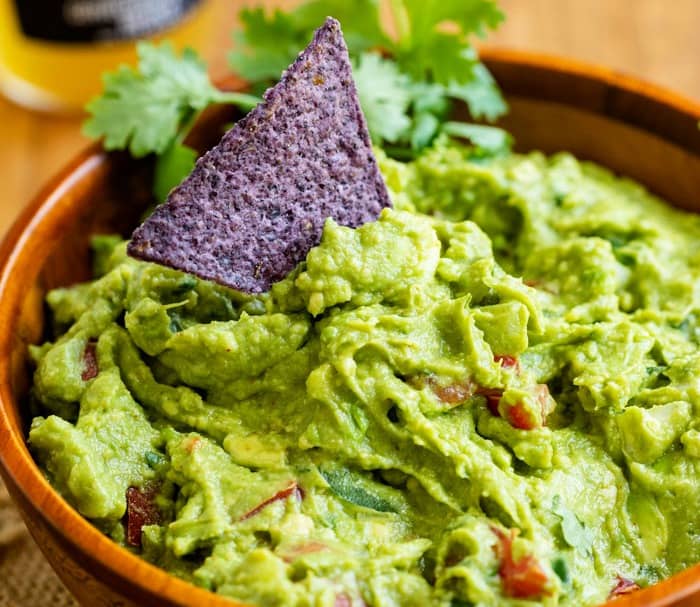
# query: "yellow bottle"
52,52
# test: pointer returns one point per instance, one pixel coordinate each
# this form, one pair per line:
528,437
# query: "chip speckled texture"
256,203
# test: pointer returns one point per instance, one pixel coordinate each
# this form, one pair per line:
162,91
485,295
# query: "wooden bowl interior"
61,256
49,245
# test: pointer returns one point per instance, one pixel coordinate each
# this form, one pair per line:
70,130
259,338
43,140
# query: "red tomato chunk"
507,361
623,586
522,579
292,489
90,366
141,510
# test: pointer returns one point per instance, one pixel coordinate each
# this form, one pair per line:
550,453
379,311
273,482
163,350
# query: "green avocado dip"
489,396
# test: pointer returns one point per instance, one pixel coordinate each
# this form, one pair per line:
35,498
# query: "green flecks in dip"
489,396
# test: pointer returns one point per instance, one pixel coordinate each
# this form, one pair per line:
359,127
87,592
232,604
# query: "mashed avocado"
490,396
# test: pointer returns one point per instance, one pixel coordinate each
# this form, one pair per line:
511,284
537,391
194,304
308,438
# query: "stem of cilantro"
186,126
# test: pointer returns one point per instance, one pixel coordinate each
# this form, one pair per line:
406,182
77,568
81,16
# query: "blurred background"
656,40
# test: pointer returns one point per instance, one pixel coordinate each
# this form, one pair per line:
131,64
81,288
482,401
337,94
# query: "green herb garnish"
560,567
356,489
574,532
408,81
150,109
409,71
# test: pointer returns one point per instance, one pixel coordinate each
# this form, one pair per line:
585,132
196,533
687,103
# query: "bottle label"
90,20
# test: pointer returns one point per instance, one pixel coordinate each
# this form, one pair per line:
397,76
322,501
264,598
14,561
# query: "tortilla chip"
256,203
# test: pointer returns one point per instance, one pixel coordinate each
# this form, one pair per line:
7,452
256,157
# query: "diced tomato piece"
141,510
193,443
292,489
545,399
493,397
90,366
541,286
522,579
623,586
342,600
520,418
507,361
452,394
458,392
295,552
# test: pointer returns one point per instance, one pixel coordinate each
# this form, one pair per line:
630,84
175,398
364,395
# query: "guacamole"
489,396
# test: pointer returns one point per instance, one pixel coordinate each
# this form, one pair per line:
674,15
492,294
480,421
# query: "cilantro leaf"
150,108
490,140
431,97
425,128
268,43
141,109
406,81
480,93
433,46
407,75
434,35
172,166
385,96
354,488
360,19
560,567
574,531
455,64
468,16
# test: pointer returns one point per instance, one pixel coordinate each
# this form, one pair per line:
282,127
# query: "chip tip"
249,211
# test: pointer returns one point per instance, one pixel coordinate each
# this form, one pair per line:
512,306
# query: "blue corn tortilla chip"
255,204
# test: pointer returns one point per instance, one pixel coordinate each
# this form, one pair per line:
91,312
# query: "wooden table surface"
654,39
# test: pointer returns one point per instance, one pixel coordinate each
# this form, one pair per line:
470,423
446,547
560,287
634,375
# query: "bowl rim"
22,473
617,91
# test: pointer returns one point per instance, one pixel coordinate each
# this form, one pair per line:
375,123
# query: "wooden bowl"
634,128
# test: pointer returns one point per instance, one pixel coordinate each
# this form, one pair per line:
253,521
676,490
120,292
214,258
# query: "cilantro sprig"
410,69
407,80
149,109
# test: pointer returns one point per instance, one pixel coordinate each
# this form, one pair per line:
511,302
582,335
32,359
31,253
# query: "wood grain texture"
652,39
